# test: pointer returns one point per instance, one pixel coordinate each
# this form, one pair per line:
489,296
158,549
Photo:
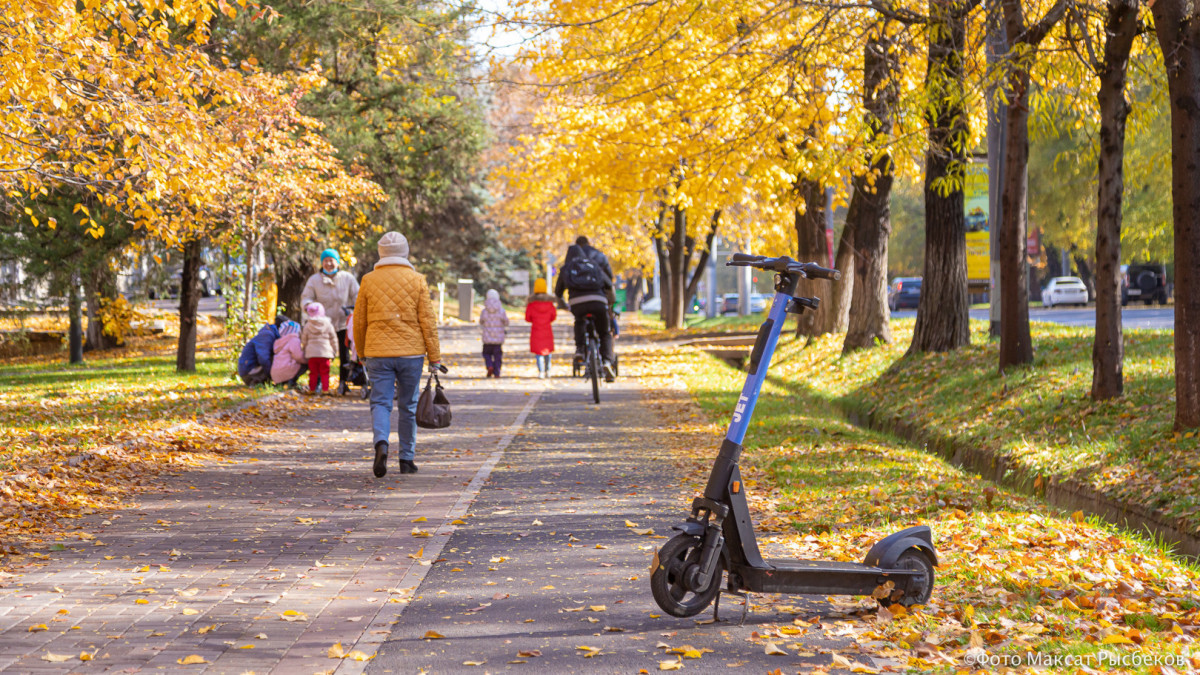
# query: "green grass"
55,407
1040,416
1014,573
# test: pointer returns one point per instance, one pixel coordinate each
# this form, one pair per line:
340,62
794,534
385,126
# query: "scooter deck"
819,577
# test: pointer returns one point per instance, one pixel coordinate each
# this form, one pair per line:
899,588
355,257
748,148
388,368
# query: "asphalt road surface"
1131,316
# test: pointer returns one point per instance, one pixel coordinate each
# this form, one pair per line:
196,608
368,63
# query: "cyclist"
587,277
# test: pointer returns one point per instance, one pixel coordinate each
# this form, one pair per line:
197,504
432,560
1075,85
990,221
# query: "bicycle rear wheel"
594,369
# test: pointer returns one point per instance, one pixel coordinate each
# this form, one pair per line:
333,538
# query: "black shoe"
407,466
380,467
609,374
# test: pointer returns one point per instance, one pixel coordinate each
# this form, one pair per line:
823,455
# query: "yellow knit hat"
539,285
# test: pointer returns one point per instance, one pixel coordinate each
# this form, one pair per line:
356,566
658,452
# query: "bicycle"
590,365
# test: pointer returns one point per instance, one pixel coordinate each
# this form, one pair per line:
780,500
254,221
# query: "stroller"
356,372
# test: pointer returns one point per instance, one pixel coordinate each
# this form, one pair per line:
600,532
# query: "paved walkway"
512,538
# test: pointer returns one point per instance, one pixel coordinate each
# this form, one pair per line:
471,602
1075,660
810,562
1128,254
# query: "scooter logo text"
741,408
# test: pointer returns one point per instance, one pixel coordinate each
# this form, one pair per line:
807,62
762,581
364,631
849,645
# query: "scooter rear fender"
886,551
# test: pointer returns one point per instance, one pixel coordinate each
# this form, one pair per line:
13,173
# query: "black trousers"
343,356
599,312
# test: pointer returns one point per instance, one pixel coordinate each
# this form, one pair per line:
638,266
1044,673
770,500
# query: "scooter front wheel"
668,582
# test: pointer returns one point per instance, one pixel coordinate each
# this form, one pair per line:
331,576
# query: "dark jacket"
259,351
607,294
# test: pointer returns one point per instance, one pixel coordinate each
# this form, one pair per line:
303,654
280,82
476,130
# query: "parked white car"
1065,291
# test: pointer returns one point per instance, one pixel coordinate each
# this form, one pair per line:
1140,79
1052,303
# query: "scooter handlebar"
783,264
815,271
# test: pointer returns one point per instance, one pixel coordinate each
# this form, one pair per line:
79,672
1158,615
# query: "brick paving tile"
213,563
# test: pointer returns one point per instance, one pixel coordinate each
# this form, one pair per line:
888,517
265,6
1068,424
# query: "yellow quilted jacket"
393,315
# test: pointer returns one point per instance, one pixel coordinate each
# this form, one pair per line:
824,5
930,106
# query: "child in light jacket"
289,356
494,324
540,312
318,339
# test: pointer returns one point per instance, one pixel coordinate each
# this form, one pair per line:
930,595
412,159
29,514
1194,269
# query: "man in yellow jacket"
395,330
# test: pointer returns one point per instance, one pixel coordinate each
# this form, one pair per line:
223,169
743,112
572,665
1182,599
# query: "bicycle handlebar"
783,264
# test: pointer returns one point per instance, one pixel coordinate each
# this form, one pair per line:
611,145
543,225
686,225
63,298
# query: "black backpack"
583,274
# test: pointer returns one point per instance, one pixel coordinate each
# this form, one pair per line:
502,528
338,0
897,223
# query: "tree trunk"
811,246
1178,32
75,316
869,217
943,323
1108,347
99,284
189,302
664,274
1016,347
293,275
841,293
702,262
674,315
633,291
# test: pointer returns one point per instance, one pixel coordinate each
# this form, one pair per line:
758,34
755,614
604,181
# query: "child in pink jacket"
319,341
288,363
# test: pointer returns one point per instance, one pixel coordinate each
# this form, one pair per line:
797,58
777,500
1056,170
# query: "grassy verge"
651,325
78,439
1040,417
1016,578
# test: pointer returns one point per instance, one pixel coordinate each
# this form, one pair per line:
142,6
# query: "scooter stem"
760,358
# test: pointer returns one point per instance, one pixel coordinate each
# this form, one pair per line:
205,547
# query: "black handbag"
433,408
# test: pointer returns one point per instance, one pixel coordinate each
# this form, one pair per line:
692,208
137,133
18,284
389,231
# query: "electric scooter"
719,536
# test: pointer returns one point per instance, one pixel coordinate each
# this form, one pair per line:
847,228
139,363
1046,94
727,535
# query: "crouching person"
254,363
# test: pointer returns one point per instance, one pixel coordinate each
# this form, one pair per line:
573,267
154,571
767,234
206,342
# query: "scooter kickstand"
745,608
745,605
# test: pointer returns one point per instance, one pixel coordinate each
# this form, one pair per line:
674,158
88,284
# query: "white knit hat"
393,245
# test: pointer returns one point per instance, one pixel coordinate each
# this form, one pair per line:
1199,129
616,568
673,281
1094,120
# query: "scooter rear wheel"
668,581
916,590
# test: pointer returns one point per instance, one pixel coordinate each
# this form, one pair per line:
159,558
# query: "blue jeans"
390,375
543,362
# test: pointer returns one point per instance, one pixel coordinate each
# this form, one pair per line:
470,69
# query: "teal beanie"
330,253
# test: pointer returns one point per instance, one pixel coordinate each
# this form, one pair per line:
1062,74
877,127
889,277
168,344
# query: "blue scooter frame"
719,535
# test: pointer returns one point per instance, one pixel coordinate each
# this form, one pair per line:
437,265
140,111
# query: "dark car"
1145,282
904,293
729,305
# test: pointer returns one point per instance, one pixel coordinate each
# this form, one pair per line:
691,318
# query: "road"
1131,317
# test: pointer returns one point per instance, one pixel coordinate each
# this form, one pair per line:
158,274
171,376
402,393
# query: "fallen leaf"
670,665
630,523
37,628
56,658
359,656
207,629
432,635
188,611
474,663
421,519
773,649
597,608
529,653
293,615
192,660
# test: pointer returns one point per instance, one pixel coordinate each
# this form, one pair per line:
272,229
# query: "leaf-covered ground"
75,440
1042,416
1016,579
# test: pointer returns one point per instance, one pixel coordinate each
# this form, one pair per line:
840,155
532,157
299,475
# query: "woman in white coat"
333,289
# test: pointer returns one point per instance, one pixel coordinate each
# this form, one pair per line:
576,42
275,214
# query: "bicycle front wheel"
594,370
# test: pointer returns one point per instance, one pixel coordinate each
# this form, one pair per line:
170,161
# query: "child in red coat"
540,313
